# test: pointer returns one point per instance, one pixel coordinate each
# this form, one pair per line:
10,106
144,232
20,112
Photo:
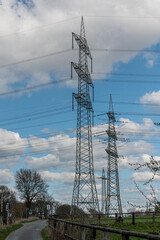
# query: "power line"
130,113
38,27
35,58
131,103
121,16
34,87
125,50
43,124
125,80
128,74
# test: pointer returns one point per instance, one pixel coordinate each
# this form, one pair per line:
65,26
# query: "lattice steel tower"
103,209
113,203
84,190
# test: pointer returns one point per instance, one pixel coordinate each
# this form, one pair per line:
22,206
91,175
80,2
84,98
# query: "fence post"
76,232
133,218
124,236
70,230
99,218
65,228
83,235
93,234
153,218
116,217
55,224
105,236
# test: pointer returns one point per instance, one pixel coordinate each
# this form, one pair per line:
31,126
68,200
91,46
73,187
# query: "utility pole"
113,203
84,190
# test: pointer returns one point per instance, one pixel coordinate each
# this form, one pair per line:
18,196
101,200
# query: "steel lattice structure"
113,203
84,190
103,209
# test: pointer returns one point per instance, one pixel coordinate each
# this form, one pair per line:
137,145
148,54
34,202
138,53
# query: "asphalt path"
30,231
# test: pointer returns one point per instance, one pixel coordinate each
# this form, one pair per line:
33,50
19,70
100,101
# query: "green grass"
143,224
45,234
29,221
6,231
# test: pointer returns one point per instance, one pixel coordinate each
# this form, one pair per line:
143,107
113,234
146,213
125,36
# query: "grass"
144,227
28,221
46,234
6,231
143,224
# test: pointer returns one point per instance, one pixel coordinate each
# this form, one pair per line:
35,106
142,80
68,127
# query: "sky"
37,124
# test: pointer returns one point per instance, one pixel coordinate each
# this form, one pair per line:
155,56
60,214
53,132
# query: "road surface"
30,231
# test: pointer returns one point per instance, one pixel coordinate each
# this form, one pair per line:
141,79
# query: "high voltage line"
69,50
131,103
35,118
43,124
72,18
126,50
34,87
35,58
125,80
128,74
38,27
130,113
53,109
68,79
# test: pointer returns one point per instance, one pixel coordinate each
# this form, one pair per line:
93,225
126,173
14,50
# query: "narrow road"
30,231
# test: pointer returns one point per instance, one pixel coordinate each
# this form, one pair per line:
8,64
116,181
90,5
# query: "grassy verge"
46,234
29,221
6,231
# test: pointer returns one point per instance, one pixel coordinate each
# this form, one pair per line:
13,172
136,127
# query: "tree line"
32,197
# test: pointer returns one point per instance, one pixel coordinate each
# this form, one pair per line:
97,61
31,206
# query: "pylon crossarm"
85,75
82,43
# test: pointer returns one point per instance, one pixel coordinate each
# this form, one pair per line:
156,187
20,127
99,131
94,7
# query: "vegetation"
144,227
6,231
31,186
46,234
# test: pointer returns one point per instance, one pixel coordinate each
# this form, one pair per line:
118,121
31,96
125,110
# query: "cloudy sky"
37,124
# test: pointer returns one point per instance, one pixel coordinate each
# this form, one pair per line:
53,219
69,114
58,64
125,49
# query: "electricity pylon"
103,209
113,203
84,190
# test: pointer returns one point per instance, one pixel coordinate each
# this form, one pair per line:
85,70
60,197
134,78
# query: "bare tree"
7,201
154,167
30,186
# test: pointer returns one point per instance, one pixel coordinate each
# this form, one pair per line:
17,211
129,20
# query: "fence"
132,217
78,231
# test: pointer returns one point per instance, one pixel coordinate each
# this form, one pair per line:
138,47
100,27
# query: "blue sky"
37,127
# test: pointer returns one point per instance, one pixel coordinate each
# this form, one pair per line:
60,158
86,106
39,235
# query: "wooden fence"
78,231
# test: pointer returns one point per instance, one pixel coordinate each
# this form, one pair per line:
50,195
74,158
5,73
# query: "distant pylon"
84,190
113,203
103,209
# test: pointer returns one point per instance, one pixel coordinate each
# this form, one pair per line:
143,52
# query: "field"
143,224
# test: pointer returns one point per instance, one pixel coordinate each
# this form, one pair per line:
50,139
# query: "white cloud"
30,33
151,98
130,190
64,177
6,176
38,145
12,147
145,129
150,59
47,162
138,147
144,176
